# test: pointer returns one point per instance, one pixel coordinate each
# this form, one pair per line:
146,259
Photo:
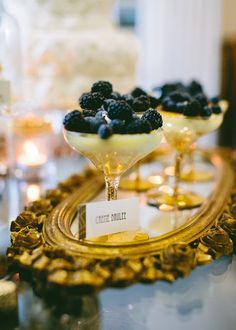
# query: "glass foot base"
122,237
166,202
191,176
169,171
196,176
136,185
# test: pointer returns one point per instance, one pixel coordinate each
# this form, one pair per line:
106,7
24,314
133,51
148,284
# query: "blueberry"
117,126
94,123
215,99
216,109
206,112
101,114
104,131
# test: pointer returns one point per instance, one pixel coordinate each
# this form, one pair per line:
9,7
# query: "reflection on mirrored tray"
156,222
139,305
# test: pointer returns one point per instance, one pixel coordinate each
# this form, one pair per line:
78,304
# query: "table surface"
205,300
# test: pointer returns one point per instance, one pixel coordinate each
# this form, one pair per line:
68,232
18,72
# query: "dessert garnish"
106,112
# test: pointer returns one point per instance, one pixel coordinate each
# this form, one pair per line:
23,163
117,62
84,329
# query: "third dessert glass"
115,155
192,174
181,132
140,101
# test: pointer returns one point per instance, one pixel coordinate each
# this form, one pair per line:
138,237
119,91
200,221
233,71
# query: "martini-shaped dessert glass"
192,174
115,155
140,102
181,132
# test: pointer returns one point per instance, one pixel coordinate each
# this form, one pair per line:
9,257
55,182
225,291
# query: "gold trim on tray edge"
92,266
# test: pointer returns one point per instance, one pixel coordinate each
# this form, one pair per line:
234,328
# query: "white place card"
5,92
103,218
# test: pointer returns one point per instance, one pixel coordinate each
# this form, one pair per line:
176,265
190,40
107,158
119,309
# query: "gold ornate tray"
44,247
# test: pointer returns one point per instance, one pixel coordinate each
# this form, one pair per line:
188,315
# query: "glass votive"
32,148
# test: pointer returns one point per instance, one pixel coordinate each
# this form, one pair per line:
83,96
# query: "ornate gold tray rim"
56,230
51,265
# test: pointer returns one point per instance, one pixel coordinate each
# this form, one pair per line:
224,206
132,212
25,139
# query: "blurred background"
64,46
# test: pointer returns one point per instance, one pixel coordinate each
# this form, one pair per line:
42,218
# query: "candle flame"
31,154
33,192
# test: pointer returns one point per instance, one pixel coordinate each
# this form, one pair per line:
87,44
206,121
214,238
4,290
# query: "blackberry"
166,89
202,99
74,121
137,91
181,106
154,102
102,87
107,102
141,103
192,109
89,113
119,110
94,123
153,117
179,96
104,131
206,112
176,97
117,126
128,98
216,109
91,101
138,126
168,104
194,87
115,96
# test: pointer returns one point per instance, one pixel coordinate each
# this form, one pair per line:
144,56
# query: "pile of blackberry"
106,112
189,100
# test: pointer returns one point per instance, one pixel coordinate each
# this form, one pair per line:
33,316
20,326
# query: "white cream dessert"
108,130
116,154
181,131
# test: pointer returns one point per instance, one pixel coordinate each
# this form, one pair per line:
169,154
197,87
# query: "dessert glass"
135,182
193,174
181,132
114,155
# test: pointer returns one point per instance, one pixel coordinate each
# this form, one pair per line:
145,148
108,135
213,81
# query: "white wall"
180,40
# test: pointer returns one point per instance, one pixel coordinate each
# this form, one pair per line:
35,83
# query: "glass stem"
191,162
178,161
112,187
137,176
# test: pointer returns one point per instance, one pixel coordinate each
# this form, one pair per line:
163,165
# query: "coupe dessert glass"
181,132
192,174
115,155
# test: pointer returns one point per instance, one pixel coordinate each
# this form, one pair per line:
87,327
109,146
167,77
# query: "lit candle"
33,192
30,155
